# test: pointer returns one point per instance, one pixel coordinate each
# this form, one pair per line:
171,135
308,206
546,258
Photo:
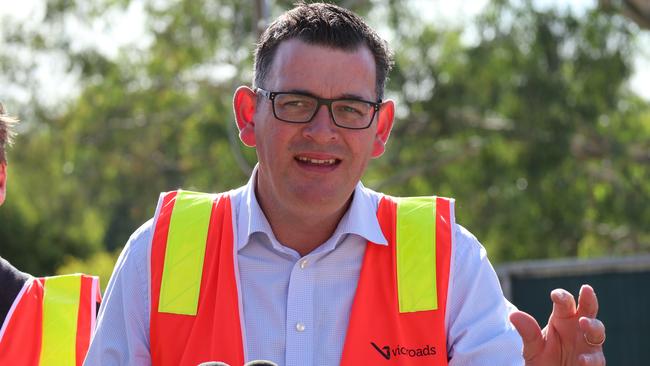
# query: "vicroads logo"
387,352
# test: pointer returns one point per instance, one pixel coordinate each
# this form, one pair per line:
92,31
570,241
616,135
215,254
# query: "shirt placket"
300,314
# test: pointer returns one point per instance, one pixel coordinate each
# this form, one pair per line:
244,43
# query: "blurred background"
534,115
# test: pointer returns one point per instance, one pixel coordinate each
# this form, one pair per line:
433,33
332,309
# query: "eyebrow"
341,96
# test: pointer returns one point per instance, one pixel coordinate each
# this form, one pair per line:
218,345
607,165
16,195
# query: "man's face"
316,165
3,181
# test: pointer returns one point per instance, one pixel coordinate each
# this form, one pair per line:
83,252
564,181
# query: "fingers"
592,359
587,302
594,331
530,333
594,336
564,305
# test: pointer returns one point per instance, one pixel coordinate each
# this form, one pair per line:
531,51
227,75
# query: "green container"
622,286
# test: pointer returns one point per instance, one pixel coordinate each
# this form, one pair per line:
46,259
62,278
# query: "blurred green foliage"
99,264
530,125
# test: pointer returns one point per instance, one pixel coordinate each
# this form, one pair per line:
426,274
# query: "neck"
304,234
301,230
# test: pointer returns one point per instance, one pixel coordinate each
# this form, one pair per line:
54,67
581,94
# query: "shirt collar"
360,219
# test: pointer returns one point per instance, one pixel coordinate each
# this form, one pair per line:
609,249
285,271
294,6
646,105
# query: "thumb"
530,333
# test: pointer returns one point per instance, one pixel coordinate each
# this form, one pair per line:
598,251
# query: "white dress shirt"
296,309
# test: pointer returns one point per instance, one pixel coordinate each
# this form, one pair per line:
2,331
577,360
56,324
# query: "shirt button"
303,263
300,327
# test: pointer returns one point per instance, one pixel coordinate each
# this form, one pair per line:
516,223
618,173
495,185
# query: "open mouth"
317,162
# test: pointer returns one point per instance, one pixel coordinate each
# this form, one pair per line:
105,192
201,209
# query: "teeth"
317,161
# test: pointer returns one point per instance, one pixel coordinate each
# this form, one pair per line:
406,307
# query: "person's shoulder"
143,235
235,195
466,245
9,273
138,245
11,282
145,230
379,195
462,233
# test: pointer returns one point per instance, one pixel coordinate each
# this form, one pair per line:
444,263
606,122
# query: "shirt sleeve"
478,329
122,333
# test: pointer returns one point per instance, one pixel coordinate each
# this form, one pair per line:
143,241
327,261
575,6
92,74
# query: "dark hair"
327,25
6,133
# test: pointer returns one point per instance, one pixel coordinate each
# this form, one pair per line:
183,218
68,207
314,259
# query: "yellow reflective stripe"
186,241
60,314
416,254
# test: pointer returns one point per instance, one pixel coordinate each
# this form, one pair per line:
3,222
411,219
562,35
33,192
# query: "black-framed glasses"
295,107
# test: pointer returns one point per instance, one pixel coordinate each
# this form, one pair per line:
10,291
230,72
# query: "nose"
321,128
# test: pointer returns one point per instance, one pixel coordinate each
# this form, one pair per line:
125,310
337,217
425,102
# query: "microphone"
249,363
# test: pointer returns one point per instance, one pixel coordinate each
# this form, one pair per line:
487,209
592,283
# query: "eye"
295,101
352,108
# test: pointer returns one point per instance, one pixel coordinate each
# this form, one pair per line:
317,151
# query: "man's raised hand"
572,337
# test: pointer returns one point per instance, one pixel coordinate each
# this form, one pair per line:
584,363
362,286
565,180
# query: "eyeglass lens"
302,108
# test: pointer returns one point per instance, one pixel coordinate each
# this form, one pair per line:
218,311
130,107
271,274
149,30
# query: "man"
306,266
48,320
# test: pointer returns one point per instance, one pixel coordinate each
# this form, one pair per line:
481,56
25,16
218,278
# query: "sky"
119,30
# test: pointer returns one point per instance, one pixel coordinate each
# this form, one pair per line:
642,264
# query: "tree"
531,127
637,10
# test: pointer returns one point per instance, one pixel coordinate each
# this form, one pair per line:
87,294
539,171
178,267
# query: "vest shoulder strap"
189,219
69,305
51,321
416,253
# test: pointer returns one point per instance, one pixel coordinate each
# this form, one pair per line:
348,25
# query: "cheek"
271,142
362,146
280,135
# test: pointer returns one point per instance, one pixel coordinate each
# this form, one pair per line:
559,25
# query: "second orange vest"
51,321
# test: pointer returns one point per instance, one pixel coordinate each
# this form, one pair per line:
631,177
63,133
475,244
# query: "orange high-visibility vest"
398,312
51,321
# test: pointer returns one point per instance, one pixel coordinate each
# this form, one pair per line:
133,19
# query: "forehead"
324,71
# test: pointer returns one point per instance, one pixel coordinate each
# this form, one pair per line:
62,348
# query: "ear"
244,104
3,181
384,126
